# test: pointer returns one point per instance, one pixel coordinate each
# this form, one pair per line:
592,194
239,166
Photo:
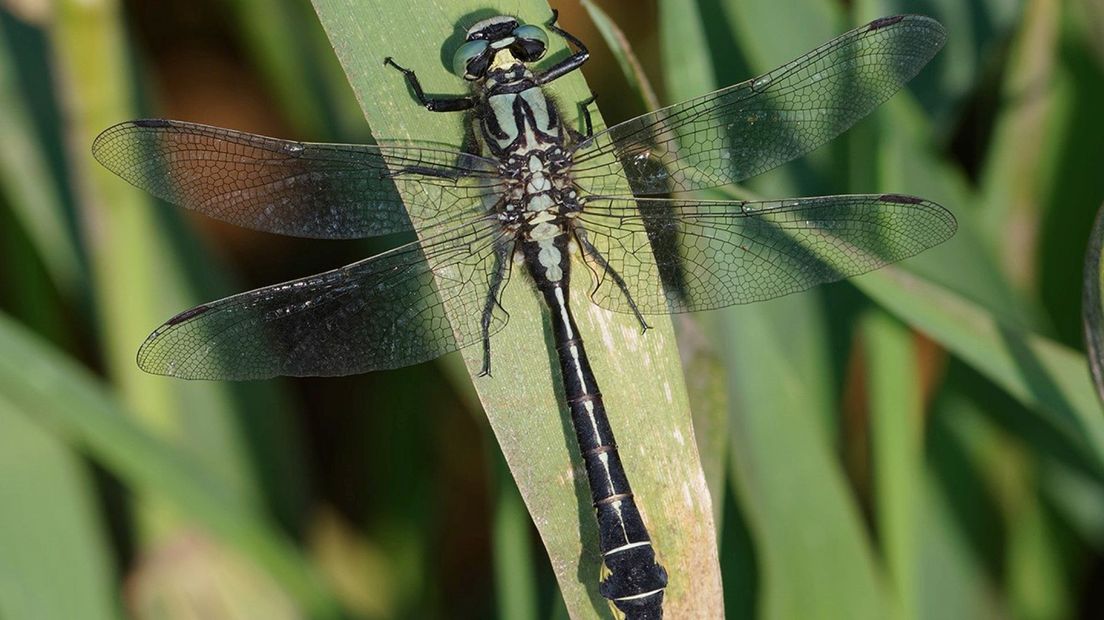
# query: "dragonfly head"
490,37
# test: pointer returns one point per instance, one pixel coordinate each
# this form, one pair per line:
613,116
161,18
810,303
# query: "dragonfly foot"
389,61
485,371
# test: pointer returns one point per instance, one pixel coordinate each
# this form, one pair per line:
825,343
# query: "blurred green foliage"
923,442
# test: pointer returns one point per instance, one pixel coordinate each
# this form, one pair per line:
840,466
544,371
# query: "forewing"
386,311
743,130
712,254
330,191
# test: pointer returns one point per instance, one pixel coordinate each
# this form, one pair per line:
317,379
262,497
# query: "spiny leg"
568,64
454,103
591,251
498,276
584,110
565,34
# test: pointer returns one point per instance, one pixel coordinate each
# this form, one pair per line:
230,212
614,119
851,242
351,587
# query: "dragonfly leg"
568,64
584,110
498,277
607,269
454,103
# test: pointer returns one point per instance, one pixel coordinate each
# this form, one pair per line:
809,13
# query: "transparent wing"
330,191
386,311
743,130
712,254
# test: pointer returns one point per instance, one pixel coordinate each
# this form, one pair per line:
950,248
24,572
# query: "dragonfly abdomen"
636,582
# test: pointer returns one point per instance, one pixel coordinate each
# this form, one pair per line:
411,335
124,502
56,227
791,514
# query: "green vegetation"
922,442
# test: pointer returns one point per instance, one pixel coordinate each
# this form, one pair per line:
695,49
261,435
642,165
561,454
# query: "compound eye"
470,61
530,43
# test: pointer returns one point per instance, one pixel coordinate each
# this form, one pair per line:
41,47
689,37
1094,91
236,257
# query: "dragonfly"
534,191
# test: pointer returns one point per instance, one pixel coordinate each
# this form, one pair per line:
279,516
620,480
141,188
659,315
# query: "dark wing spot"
151,122
901,199
882,22
187,314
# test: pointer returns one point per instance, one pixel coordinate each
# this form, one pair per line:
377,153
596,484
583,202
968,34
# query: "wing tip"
102,144
103,141
949,222
151,362
913,20
155,358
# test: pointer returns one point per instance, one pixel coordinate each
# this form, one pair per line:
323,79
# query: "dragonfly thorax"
538,182
517,118
539,206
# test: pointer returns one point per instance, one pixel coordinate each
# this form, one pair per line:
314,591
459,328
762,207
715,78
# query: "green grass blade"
905,156
951,580
55,558
1040,375
1015,526
814,558
650,417
1092,306
767,31
623,54
1074,187
1039,585
951,583
1078,499
139,280
515,579
689,69
1045,376
908,164
272,33
56,393
896,409
27,184
1014,180
281,37
189,578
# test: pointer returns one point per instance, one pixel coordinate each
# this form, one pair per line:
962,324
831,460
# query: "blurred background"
921,443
